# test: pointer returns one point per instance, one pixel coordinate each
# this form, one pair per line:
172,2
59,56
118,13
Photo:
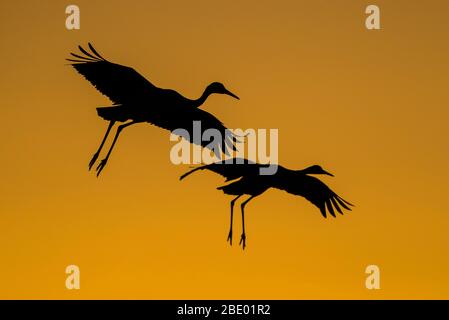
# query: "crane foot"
230,237
243,241
101,166
94,159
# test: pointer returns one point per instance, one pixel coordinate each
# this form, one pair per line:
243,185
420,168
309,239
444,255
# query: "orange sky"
369,106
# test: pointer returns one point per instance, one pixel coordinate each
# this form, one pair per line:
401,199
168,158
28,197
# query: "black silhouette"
138,100
246,179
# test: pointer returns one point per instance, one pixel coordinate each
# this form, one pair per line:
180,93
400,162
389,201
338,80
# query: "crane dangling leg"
105,160
232,214
95,157
243,237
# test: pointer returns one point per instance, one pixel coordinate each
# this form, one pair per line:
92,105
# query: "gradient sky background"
369,106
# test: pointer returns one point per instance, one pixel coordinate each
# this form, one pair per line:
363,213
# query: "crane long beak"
328,173
229,93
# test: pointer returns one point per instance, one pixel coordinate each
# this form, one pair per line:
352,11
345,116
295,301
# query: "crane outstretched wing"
313,190
126,87
193,122
121,84
186,118
231,169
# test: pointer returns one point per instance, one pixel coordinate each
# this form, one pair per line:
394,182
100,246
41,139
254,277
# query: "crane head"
316,169
217,87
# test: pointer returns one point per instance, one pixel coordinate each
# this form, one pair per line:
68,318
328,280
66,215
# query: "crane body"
137,100
245,179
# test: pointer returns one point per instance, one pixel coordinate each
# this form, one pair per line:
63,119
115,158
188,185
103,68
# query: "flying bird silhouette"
137,100
245,179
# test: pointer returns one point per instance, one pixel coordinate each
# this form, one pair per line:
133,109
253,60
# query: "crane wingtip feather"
323,211
95,51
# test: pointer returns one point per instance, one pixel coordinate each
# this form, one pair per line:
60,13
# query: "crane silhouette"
137,100
245,179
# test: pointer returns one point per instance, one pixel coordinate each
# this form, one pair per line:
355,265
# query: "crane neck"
198,102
